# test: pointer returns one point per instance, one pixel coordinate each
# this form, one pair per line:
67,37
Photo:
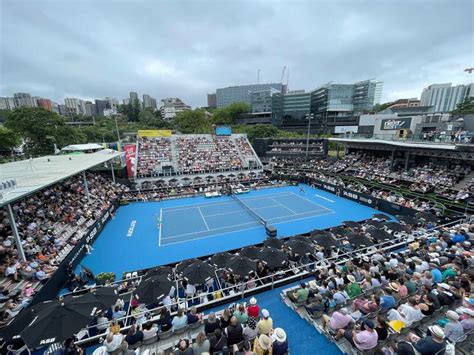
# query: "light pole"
118,134
308,116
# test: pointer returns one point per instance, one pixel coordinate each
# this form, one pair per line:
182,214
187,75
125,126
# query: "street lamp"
308,116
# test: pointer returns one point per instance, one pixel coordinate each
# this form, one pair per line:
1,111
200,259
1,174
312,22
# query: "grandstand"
166,261
178,156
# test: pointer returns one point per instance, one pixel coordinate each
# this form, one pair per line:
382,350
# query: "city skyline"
141,48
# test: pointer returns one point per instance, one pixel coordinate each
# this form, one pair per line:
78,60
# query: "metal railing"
412,138
239,291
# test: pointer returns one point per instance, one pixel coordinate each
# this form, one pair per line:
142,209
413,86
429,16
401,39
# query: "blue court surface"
147,234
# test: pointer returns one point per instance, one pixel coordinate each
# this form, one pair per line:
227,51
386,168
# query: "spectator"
364,339
432,344
180,320
241,314
299,296
201,345
338,320
183,348
218,341
453,330
211,324
262,345
234,332
265,325
193,317
134,335
70,348
150,329
280,343
250,331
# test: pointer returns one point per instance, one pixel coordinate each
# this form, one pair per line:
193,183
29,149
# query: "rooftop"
36,174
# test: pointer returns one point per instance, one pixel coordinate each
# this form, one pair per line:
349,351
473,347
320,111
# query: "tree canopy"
465,107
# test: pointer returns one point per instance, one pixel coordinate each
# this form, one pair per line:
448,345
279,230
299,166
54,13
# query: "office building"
261,101
229,95
90,109
74,106
45,103
62,110
445,97
100,106
171,107
211,100
112,103
290,108
134,98
149,102
7,103
414,102
23,99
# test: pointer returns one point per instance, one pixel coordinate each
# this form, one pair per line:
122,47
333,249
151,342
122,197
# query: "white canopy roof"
36,174
81,147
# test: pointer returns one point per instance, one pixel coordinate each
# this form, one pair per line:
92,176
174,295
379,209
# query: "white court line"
324,198
282,205
202,216
297,219
314,203
215,235
219,204
161,222
241,210
210,230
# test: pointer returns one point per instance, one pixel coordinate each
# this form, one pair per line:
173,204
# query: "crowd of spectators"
153,153
49,223
400,302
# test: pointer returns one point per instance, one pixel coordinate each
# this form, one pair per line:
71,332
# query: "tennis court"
217,218
197,226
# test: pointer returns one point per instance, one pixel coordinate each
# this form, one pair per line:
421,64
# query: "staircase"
464,182
174,155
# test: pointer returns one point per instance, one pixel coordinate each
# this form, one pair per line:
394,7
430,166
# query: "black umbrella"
241,265
381,216
105,296
408,219
153,289
273,242
340,231
198,272
428,217
250,252
165,271
396,227
60,320
379,234
376,224
325,241
220,259
274,258
359,240
320,232
184,264
299,247
22,320
351,224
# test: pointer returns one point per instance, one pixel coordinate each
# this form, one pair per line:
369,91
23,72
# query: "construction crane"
282,74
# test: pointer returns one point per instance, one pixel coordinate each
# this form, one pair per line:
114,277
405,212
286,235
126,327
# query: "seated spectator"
339,320
180,320
234,332
387,301
150,329
265,325
453,330
364,337
467,320
408,313
280,343
367,306
381,327
262,345
241,314
102,322
201,345
250,330
118,313
218,341
113,342
70,348
315,306
433,343
244,349
193,317
353,288
211,324
134,335
300,295
165,320
183,348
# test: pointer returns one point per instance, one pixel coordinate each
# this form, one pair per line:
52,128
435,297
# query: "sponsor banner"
154,133
392,124
130,153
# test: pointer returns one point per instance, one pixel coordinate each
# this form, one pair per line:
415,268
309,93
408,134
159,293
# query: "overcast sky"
94,49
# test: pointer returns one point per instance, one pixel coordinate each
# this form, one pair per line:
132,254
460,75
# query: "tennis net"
248,209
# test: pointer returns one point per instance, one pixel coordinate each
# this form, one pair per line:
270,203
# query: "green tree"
193,121
152,120
228,115
466,107
8,139
381,107
41,129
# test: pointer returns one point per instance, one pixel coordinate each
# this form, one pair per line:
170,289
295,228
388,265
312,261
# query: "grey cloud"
93,49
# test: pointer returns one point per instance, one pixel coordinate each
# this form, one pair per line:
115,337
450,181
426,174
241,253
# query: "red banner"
130,152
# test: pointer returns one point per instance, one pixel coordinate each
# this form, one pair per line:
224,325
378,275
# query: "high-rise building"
290,108
171,107
100,106
229,95
63,111
134,97
90,108
74,106
45,103
445,97
55,107
126,101
112,103
149,102
7,103
211,100
261,101
23,99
